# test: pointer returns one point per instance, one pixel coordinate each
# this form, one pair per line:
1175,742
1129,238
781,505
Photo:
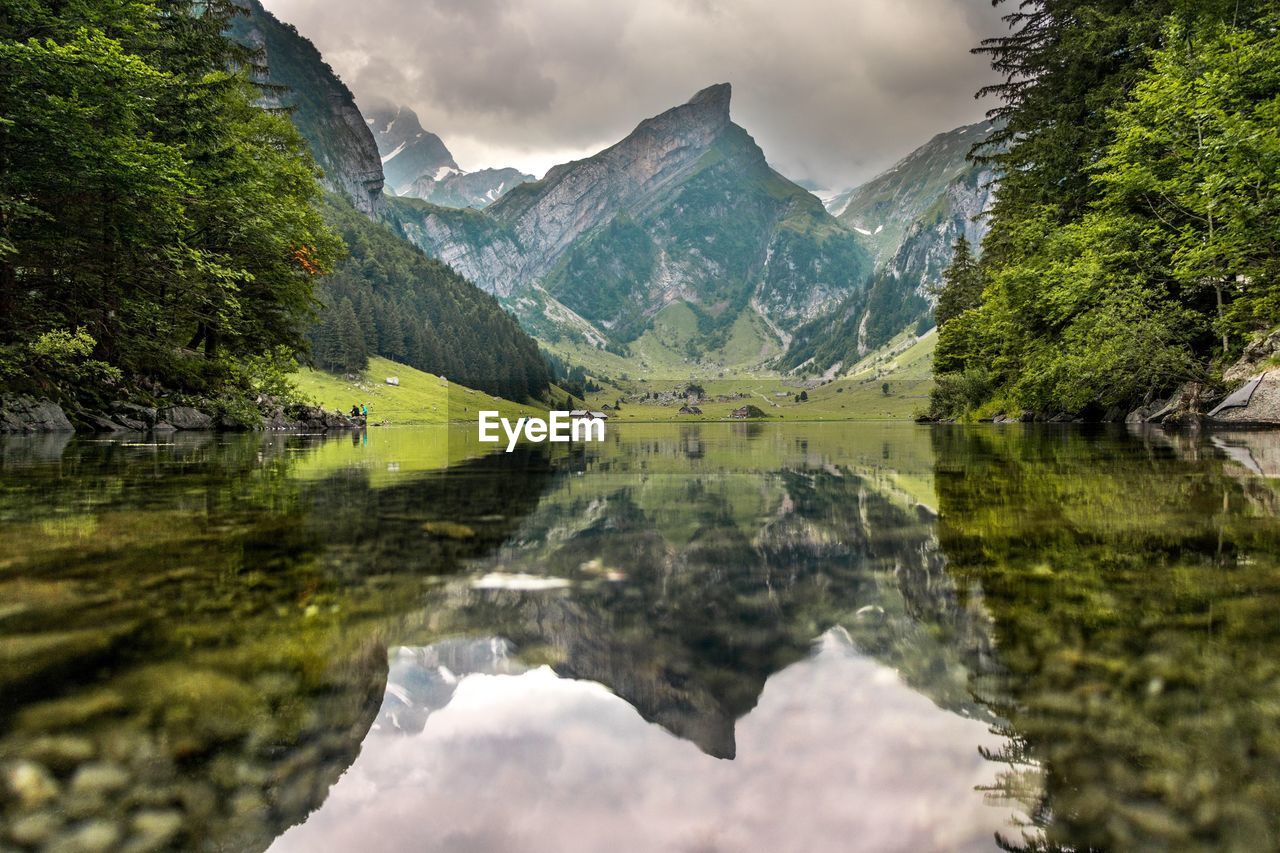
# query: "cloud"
833,90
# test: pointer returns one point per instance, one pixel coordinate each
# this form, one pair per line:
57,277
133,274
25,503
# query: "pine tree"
353,357
961,287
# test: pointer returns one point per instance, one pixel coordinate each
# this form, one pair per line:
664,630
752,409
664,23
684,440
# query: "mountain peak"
716,95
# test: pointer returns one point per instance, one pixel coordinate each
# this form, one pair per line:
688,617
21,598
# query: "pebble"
155,829
99,778
62,752
32,784
35,829
91,837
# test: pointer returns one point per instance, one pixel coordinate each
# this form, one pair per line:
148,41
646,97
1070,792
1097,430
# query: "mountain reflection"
838,751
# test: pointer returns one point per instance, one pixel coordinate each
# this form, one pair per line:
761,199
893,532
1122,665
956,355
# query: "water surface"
692,637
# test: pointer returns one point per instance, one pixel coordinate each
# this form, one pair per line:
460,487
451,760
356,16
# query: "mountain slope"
467,189
683,214
418,311
900,293
418,164
885,208
386,298
321,106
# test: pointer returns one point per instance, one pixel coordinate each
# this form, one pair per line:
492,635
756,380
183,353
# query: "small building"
689,409
747,412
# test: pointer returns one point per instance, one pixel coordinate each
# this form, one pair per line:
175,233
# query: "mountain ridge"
684,212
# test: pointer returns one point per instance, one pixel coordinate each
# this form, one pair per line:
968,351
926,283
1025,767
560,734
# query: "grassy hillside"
905,365
421,398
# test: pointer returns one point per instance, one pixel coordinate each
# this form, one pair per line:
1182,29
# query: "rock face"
418,165
685,211
408,152
912,215
468,189
20,413
886,208
324,110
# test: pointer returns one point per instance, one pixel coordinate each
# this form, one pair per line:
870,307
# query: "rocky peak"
715,97
576,197
408,152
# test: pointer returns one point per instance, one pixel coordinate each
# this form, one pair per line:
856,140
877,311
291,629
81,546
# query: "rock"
1255,353
62,752
35,830
146,415
90,837
154,830
71,711
21,413
1261,403
164,426
28,657
101,423
32,784
185,417
99,778
449,530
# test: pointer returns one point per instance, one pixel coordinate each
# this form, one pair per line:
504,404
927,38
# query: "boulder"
21,413
1255,403
185,417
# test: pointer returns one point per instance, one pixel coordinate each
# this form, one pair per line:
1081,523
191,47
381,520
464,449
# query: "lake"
703,637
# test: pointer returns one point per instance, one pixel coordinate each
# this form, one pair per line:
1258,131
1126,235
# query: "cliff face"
684,214
408,152
323,108
914,255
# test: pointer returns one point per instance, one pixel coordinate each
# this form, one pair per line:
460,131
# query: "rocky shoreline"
24,414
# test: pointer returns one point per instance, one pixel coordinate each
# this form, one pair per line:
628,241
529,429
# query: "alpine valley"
677,252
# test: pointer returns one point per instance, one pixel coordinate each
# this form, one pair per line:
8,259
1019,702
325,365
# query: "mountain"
386,298
320,105
418,164
899,295
408,152
885,208
681,231
467,189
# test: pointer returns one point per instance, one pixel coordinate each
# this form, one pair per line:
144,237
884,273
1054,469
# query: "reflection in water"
837,753
800,637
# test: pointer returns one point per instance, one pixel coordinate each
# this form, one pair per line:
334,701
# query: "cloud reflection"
838,754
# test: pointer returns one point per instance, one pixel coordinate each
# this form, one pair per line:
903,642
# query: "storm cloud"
833,90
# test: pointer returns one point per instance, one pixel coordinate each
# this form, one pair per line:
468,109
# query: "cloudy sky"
833,90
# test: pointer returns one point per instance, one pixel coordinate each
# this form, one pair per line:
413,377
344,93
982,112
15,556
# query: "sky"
834,91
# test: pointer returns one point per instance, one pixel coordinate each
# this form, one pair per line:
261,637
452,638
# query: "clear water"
692,637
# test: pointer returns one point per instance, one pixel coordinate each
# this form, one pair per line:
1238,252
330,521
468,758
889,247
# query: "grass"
905,365
420,398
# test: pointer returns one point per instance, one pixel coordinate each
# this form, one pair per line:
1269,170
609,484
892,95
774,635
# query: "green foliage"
1149,257
961,287
390,299
145,201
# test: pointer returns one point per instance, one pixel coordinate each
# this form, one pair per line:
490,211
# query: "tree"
352,356
961,287
145,199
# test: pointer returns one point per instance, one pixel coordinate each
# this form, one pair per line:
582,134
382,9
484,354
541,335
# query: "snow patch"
399,148
444,172
864,232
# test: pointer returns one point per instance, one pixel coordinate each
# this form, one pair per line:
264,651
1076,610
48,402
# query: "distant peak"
716,95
